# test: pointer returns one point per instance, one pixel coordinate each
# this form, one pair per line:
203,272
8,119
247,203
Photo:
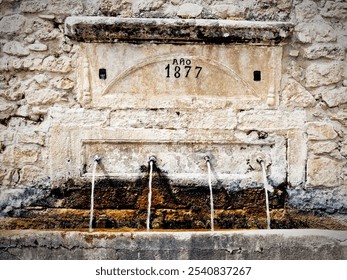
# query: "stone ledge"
163,245
112,29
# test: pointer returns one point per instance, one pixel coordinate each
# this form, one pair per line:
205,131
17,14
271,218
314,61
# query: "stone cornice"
179,31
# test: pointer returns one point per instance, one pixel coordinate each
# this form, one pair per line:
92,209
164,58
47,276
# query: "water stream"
95,163
267,189
211,193
151,161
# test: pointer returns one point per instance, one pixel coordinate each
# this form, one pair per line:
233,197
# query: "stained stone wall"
41,103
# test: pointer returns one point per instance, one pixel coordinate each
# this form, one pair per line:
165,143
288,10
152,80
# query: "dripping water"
95,163
267,188
151,161
211,193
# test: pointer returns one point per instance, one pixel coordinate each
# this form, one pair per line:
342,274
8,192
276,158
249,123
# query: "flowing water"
149,195
95,163
267,189
211,194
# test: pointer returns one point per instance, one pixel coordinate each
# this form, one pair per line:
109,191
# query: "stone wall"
40,96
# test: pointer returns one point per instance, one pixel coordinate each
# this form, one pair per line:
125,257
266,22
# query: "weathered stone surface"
63,83
316,31
253,245
25,154
320,131
323,147
189,10
335,9
225,11
297,96
305,10
54,7
270,120
11,24
30,174
32,137
15,48
6,108
109,29
332,51
319,74
323,171
297,156
57,65
335,97
38,47
43,97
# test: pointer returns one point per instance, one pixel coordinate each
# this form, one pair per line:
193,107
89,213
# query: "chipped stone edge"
113,29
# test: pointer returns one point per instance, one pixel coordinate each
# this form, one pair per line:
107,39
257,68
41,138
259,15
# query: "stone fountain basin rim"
335,234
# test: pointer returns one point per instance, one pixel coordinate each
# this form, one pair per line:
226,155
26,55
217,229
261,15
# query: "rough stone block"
335,97
11,24
15,48
25,154
270,120
225,11
43,97
297,96
320,74
323,147
31,174
61,64
332,51
305,10
38,47
315,31
189,10
335,9
320,131
323,171
296,156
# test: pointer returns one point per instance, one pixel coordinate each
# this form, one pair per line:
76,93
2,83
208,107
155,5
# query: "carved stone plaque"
125,75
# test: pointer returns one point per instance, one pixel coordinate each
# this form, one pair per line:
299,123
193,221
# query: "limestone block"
33,6
332,51
305,11
79,117
228,11
344,149
270,120
189,10
323,147
15,48
54,7
297,96
30,174
114,8
11,24
316,31
38,47
296,157
43,97
25,154
335,97
320,131
61,64
335,9
63,83
6,108
320,74
146,5
323,171
32,137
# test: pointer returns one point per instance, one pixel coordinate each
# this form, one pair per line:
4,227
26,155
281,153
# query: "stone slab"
165,245
111,29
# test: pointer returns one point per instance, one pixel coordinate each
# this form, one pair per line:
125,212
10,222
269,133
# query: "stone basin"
174,245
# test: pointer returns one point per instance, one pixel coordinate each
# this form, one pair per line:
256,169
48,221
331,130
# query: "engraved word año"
182,68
